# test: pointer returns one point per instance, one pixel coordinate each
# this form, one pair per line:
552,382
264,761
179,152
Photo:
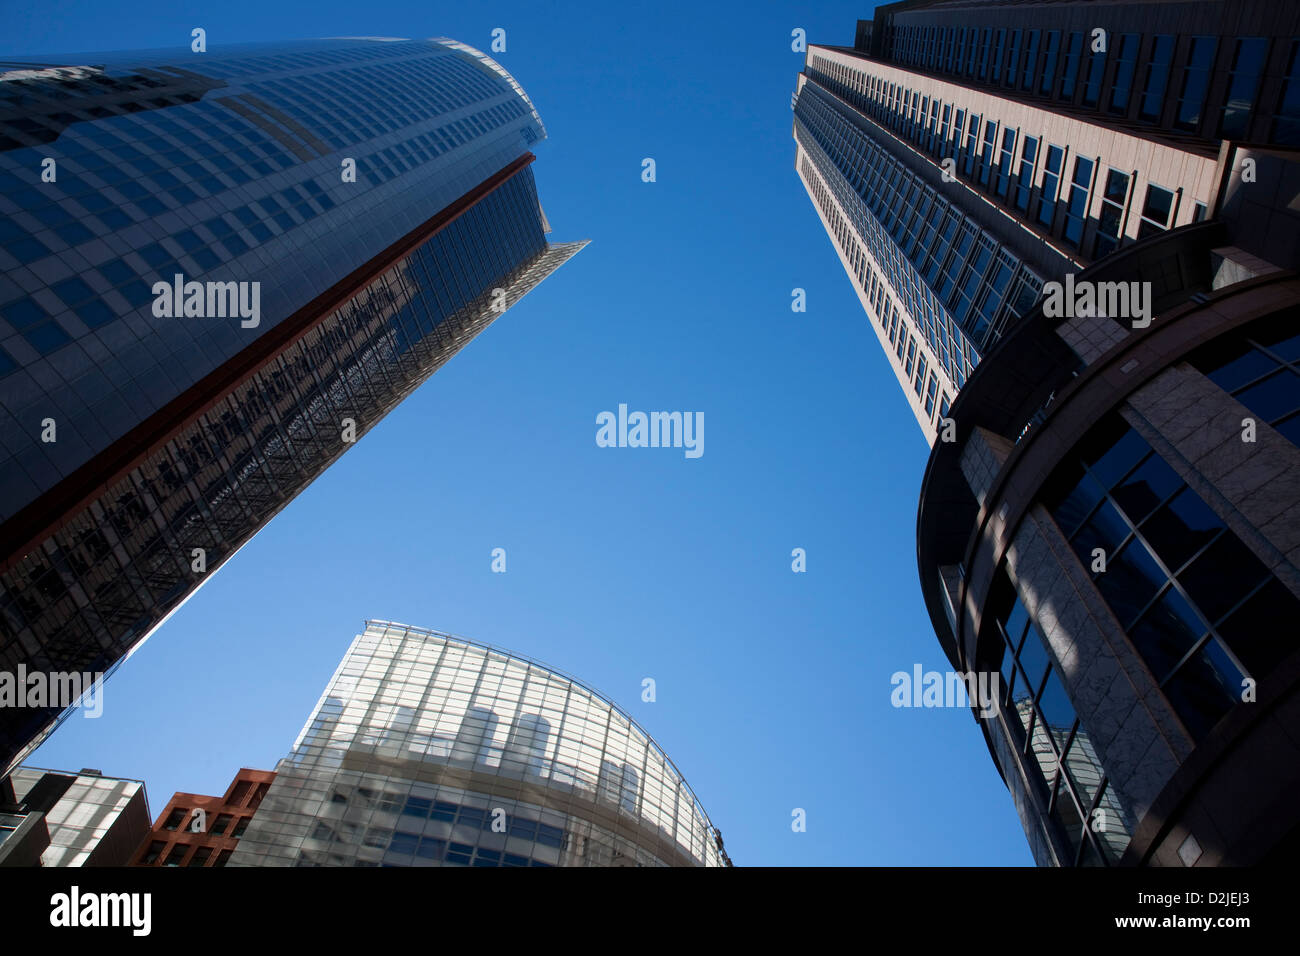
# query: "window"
1013,59
1092,84
1286,120
1198,212
944,404
998,52
175,819
987,153
1157,78
155,850
1196,80
1156,211
1261,369
1051,183
1123,85
1072,54
1031,59
1243,84
972,133
1051,49
1044,728
221,824
1109,223
177,854
922,366
200,857
1076,208
1176,577
911,356
1005,161
931,388
241,826
1025,177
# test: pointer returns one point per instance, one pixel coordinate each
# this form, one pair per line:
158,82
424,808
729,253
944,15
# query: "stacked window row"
886,312
1087,811
1158,79
1024,173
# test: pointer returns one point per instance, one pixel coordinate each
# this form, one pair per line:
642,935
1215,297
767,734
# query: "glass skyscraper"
1109,519
430,750
355,211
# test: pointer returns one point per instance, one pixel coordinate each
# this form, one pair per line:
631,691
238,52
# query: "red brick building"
197,830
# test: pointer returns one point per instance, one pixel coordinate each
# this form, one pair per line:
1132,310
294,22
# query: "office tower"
962,154
1112,523
429,750
354,210
50,818
197,830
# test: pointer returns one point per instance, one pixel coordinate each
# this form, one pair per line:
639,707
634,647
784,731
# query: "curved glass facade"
373,197
429,750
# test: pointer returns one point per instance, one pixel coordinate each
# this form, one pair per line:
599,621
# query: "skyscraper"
962,154
429,750
217,271
1109,519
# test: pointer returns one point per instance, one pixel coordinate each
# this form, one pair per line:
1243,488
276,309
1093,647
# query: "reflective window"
1184,587
1248,58
1124,68
1051,49
1025,175
1092,84
1195,83
1157,209
1156,78
1260,367
1076,208
1051,183
1110,221
1286,118
1092,825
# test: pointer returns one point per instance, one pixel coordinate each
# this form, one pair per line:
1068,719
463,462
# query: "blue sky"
773,688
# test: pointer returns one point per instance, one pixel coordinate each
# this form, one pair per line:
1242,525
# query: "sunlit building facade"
962,154
429,750
355,211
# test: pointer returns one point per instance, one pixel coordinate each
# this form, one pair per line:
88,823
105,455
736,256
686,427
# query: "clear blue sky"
773,687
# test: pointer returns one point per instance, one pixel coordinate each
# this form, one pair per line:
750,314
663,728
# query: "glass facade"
1197,605
951,274
1260,367
429,750
177,435
1091,820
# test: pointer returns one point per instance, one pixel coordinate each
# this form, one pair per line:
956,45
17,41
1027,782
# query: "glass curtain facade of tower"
428,750
177,437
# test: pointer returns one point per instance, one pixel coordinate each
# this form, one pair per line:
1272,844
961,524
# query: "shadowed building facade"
379,195
429,750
